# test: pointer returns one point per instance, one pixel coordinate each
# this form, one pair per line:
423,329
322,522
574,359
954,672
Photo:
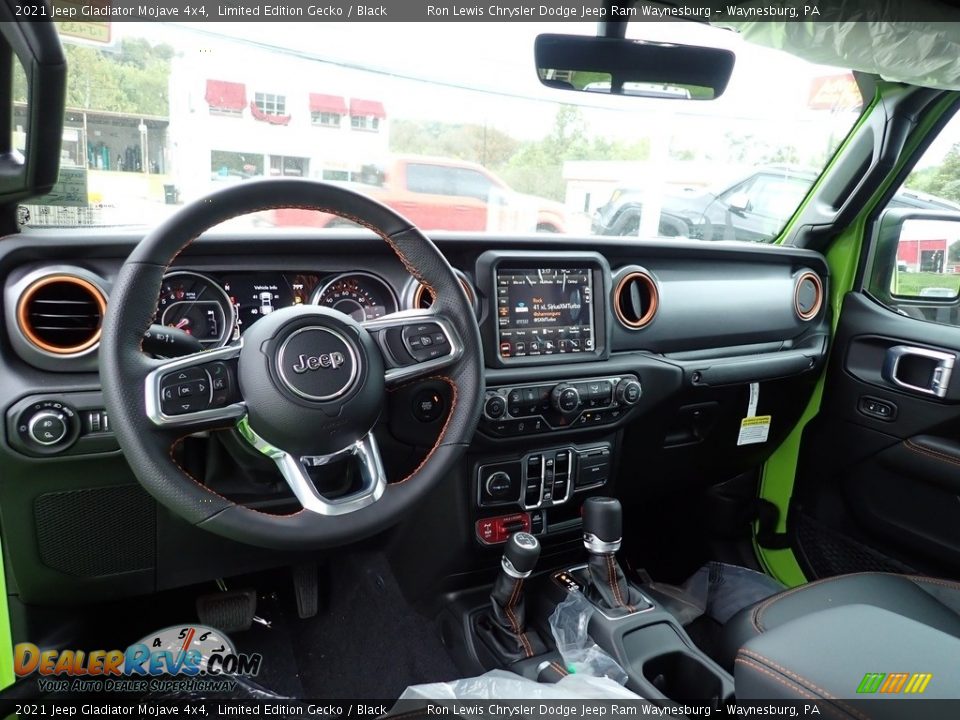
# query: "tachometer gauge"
197,305
359,295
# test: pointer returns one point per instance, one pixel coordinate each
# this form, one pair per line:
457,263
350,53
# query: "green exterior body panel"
779,473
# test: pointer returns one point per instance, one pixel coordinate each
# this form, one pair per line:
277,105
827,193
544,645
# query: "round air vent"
423,298
61,314
636,299
808,295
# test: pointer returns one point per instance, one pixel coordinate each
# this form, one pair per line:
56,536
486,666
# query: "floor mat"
367,642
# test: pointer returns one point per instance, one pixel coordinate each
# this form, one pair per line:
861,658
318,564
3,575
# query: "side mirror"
638,68
739,202
916,257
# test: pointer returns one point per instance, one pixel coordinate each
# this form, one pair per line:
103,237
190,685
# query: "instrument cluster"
217,308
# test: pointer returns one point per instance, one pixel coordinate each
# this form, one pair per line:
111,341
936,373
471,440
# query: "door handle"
941,368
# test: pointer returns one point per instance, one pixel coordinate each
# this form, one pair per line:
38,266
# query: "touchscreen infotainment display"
544,311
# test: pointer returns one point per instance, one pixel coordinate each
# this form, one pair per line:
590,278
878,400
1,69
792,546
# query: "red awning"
328,104
267,117
226,95
366,108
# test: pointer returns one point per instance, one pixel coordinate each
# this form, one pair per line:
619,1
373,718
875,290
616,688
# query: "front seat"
933,602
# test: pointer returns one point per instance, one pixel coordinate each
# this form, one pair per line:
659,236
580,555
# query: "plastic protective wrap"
570,623
926,54
504,685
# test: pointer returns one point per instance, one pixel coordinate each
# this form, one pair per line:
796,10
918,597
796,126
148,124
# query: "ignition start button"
428,406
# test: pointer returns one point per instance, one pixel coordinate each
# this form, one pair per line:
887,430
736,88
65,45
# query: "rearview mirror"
637,68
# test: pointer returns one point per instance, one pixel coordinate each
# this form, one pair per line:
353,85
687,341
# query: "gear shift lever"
505,626
602,531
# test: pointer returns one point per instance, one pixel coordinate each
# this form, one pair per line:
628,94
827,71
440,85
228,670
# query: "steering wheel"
305,385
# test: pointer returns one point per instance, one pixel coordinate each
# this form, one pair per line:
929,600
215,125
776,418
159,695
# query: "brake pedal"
229,611
306,588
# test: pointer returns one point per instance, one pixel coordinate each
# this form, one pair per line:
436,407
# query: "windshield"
446,123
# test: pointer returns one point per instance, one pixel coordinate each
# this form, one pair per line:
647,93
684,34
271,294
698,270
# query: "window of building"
365,122
336,175
271,104
289,166
326,119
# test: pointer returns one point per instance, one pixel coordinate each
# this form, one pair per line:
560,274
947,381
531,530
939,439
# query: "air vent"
808,296
61,314
636,299
423,298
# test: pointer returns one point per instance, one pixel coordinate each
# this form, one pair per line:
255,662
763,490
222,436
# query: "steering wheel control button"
47,427
317,363
185,391
425,341
222,384
428,406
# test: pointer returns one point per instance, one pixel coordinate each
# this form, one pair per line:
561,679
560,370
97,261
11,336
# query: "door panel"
879,473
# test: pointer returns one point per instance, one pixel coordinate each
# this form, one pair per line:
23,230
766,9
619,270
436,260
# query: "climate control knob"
628,392
48,427
495,407
565,398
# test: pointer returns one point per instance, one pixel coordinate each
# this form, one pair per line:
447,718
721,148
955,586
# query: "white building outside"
269,115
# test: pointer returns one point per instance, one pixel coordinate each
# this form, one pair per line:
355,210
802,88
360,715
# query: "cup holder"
666,665
682,677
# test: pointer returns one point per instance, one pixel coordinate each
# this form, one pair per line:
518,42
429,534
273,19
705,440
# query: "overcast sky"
767,86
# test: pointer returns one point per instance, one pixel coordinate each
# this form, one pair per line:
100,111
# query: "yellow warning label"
754,430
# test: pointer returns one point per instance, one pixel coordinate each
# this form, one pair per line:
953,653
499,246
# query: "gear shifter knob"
602,524
520,555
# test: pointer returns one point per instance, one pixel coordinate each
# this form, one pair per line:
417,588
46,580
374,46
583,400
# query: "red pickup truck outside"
444,194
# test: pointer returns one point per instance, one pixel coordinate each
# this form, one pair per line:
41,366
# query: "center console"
508,626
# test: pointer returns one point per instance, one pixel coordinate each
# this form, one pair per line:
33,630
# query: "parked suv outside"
754,207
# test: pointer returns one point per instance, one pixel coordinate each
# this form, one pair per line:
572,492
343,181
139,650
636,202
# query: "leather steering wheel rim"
149,449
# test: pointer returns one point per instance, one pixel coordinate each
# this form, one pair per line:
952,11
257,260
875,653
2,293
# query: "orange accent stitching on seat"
937,455
934,581
757,656
795,688
760,609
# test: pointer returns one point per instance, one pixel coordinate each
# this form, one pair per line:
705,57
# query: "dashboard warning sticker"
754,430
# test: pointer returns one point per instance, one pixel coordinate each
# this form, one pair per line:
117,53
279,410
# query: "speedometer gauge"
359,295
197,305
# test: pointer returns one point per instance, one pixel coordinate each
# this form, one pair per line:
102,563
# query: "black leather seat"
933,602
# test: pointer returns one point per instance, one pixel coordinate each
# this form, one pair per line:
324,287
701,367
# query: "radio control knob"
565,398
48,427
628,392
495,407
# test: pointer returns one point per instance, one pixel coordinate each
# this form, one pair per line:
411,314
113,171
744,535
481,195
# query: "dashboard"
614,366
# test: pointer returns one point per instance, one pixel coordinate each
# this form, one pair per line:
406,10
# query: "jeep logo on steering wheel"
315,362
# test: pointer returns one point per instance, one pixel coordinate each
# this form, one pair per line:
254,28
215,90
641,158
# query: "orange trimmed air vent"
423,298
808,295
61,314
636,299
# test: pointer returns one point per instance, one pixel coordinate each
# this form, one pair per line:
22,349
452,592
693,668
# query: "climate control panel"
547,407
